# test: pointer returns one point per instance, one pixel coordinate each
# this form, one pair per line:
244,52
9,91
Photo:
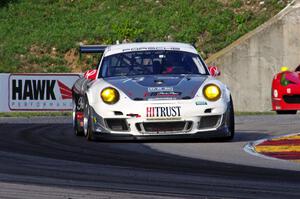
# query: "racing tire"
292,112
87,122
77,130
90,133
229,121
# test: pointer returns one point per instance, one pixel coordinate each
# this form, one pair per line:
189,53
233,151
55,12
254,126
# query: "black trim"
92,48
291,99
219,133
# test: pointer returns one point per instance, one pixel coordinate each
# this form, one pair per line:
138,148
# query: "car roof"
143,46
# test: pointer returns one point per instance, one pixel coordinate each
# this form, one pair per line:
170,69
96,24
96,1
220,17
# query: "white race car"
151,90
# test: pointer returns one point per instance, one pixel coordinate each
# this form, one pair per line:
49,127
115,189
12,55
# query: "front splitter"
221,132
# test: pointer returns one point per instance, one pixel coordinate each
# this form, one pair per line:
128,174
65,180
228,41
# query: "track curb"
254,148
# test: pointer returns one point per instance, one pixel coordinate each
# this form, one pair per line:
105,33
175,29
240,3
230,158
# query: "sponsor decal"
91,74
160,89
163,94
65,91
41,91
201,103
150,48
164,98
80,104
163,112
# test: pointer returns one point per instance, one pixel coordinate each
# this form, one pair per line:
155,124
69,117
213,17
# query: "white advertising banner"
38,92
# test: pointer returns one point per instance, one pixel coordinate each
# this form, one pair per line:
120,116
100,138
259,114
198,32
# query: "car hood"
158,87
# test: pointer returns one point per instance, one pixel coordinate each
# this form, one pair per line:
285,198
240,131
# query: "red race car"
286,91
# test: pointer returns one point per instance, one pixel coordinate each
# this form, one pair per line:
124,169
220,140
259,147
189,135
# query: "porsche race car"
286,91
154,90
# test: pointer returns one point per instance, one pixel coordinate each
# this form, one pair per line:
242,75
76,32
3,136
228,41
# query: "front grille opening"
166,127
209,121
117,124
292,99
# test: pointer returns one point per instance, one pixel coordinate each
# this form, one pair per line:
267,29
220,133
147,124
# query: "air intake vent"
164,127
207,110
293,99
207,122
118,113
117,124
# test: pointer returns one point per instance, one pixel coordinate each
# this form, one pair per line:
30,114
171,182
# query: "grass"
35,114
255,113
41,35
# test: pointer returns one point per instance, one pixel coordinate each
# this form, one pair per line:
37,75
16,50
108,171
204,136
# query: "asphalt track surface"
41,158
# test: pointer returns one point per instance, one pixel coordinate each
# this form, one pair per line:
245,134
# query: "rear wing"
92,48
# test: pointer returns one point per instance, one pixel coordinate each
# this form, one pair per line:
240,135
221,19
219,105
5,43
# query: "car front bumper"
287,98
280,103
133,128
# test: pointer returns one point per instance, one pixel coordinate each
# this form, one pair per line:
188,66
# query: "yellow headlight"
110,95
212,92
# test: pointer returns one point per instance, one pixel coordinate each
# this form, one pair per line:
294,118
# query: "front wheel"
78,131
87,122
229,121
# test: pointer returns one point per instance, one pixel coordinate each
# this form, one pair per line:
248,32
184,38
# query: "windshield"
152,63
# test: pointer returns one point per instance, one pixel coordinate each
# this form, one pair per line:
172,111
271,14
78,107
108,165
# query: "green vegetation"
42,35
255,113
35,114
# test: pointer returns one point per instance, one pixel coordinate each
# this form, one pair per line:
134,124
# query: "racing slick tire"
87,121
292,112
229,121
78,131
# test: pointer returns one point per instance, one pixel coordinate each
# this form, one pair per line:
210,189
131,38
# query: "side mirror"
214,71
91,74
